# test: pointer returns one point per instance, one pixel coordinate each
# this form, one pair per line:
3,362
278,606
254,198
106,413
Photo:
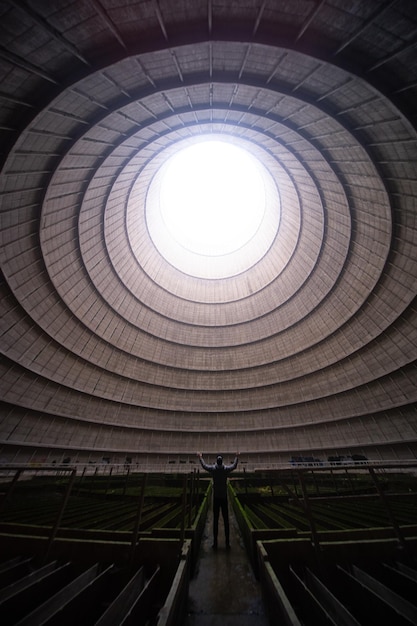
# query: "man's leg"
216,512
225,514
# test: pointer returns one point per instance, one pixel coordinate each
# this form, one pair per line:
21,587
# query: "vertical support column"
308,511
336,488
137,521
59,516
390,514
190,509
348,476
93,480
316,484
184,509
81,479
11,488
127,479
109,480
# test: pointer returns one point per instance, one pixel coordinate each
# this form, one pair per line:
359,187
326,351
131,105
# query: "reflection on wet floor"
224,590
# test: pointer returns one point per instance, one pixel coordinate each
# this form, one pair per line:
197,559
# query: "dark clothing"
220,474
220,504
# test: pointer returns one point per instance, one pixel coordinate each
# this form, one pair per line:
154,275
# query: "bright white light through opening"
212,197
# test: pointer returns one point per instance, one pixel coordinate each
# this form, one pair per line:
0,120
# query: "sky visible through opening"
212,197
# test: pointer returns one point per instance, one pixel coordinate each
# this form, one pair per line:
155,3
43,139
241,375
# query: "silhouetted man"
219,472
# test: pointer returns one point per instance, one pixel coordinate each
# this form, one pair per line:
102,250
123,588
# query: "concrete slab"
224,590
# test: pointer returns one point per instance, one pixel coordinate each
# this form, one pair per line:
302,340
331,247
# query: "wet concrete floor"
224,590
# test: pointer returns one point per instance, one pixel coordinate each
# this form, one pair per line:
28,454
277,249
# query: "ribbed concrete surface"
305,347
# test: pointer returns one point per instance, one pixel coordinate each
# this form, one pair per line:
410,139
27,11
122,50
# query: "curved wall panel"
304,341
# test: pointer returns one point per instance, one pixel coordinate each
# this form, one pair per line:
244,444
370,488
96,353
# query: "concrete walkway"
224,590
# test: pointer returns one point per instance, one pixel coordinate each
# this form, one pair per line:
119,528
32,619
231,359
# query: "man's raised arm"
202,462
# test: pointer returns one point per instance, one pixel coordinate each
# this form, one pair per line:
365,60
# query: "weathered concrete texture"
224,590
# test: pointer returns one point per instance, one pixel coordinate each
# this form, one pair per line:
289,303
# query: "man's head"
219,460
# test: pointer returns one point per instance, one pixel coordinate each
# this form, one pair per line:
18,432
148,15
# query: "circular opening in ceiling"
212,208
212,197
